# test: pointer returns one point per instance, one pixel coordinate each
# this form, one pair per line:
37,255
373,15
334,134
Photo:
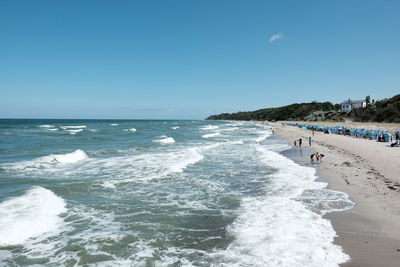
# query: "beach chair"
387,137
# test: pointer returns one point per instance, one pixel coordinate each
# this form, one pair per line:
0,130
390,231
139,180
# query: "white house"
349,104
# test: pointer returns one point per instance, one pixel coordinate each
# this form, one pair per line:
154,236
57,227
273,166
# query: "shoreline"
369,232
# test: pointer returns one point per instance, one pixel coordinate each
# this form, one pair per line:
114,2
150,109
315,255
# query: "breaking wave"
29,216
165,140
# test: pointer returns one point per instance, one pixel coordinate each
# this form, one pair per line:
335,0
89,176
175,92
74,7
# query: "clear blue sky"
189,59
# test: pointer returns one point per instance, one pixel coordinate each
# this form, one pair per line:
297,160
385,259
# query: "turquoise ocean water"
159,193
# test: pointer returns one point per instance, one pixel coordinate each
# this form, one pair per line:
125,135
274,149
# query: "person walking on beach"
309,140
300,141
295,143
312,129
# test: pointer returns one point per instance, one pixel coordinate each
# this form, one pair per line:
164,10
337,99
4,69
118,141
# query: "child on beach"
309,140
300,141
295,143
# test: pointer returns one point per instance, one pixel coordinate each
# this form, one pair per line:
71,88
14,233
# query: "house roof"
352,101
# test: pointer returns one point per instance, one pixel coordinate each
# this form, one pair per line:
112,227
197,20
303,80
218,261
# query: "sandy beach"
369,172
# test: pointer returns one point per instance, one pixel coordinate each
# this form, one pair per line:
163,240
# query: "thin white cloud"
275,37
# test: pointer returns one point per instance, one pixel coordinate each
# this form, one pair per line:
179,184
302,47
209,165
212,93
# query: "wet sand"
369,172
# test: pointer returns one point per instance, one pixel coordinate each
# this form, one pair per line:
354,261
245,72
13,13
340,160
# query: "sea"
159,193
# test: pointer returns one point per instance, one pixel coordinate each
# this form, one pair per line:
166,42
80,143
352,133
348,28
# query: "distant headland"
385,110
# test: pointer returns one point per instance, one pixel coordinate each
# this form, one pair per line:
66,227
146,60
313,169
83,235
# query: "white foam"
46,126
262,137
144,166
230,129
180,161
175,127
114,124
29,216
239,142
73,127
281,232
85,226
75,131
153,164
130,130
165,140
66,158
47,162
325,200
108,184
211,135
72,157
209,127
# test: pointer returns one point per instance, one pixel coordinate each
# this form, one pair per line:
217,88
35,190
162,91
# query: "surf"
30,215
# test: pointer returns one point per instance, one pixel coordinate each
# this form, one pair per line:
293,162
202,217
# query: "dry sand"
369,172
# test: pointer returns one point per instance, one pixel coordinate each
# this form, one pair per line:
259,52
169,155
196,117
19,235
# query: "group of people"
318,157
315,156
300,141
